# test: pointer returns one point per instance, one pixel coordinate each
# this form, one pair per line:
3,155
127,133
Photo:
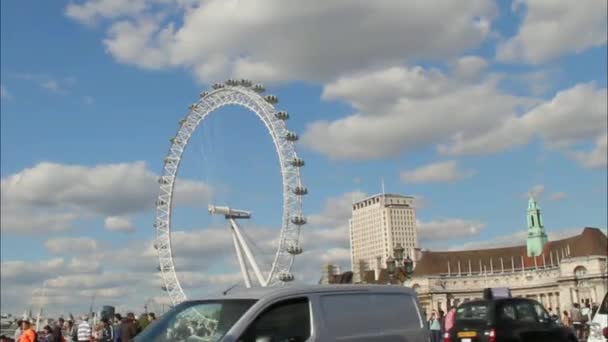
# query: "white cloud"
536,191
67,245
572,117
88,100
447,171
337,210
51,85
52,196
515,239
597,158
448,229
470,67
558,196
401,109
285,42
553,28
4,93
48,82
93,10
118,224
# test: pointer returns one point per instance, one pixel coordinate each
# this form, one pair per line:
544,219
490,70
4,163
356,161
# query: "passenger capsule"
166,268
297,162
203,94
298,220
160,203
259,88
245,83
163,180
231,82
291,136
164,288
300,190
272,99
282,115
294,250
193,106
286,276
217,86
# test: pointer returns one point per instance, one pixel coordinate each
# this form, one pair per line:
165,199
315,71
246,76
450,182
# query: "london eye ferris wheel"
250,96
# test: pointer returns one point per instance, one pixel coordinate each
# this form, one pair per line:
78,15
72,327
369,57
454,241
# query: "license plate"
467,334
465,340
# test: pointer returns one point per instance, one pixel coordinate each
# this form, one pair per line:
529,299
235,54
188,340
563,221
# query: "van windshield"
205,321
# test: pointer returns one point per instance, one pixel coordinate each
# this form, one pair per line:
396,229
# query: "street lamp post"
398,264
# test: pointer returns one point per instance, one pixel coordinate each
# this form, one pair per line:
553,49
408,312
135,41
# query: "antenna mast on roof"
382,181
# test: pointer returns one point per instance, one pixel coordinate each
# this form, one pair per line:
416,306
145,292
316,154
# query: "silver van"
370,313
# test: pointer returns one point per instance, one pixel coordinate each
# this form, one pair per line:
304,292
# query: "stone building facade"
569,270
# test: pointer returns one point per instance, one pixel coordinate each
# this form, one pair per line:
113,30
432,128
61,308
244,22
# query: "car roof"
258,293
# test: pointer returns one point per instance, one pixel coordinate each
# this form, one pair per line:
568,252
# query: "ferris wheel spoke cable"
241,93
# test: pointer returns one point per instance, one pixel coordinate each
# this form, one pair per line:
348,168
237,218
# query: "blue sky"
469,116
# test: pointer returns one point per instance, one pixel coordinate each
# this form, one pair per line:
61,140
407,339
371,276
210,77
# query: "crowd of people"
579,318
109,329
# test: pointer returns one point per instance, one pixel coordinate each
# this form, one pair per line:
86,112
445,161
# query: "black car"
506,320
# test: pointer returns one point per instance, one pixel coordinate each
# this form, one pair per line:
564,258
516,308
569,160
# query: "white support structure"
248,254
246,94
239,255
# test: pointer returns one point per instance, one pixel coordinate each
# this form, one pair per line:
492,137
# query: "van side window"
283,321
508,312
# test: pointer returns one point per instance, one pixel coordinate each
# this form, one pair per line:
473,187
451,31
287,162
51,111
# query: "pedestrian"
151,317
107,331
71,332
48,334
58,330
435,327
586,313
128,328
18,331
449,319
28,334
84,330
566,320
442,321
577,320
117,328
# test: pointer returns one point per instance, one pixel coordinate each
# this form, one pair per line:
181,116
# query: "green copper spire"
537,238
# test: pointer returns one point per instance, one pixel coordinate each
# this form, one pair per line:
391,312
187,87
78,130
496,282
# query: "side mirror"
263,339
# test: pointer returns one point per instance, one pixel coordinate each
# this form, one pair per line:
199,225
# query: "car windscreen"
205,321
472,311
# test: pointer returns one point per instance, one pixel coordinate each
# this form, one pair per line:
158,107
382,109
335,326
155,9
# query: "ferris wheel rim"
283,140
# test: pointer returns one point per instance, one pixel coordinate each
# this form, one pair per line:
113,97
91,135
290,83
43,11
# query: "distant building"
557,274
537,238
379,223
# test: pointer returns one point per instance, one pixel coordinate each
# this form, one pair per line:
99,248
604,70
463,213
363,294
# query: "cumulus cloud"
553,28
514,239
119,224
558,196
448,229
67,245
447,171
284,42
52,195
536,191
408,108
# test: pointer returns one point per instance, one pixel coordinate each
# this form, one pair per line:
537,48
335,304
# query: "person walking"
71,333
577,320
48,334
28,334
58,330
18,331
84,330
107,331
435,327
128,328
449,319
117,328
566,320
